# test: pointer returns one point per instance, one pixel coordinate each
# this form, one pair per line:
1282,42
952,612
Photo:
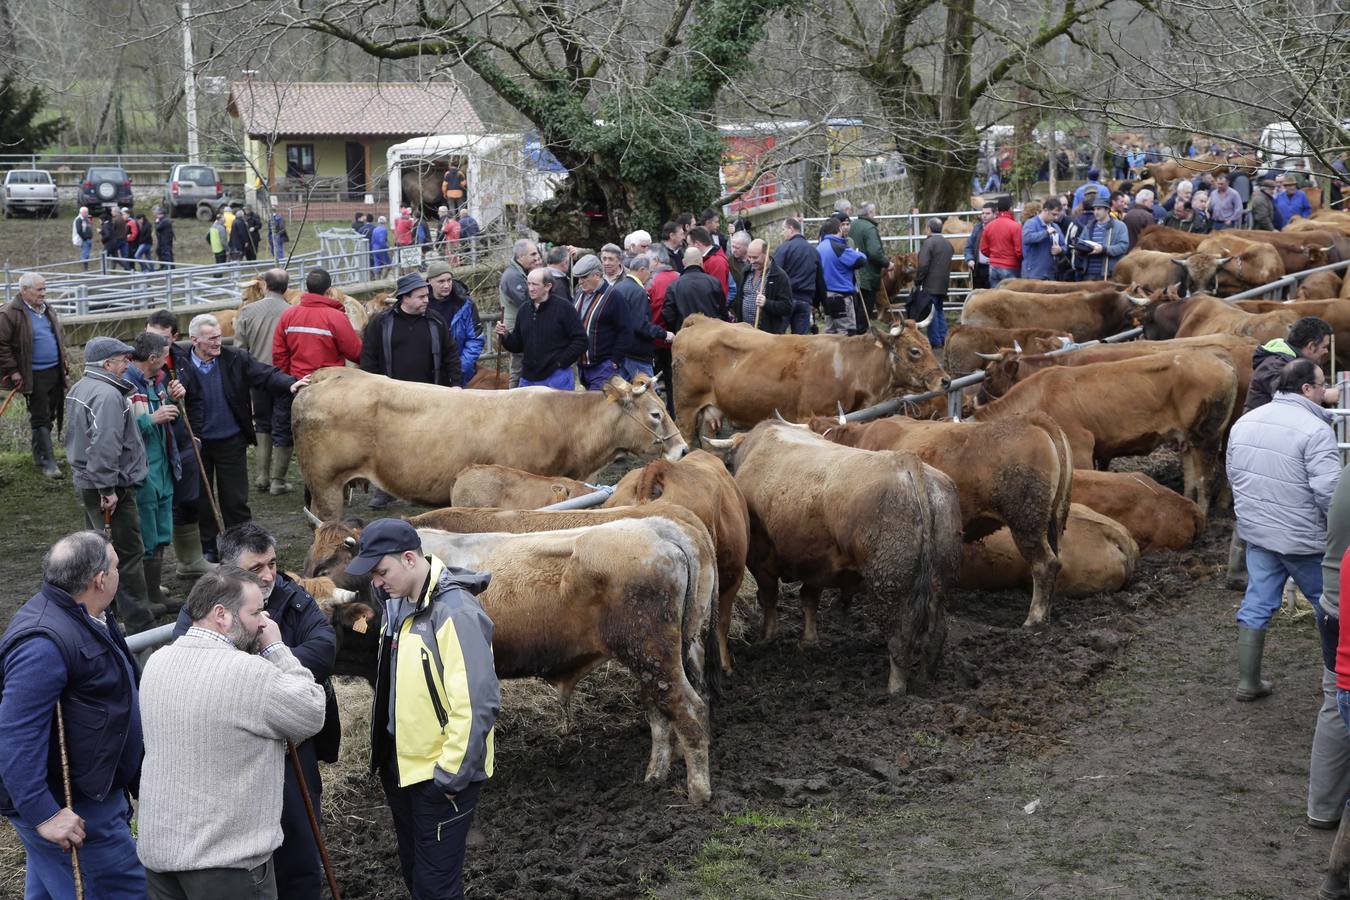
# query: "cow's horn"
640,388
987,355
779,416
1181,262
840,406
1066,341
1222,260
895,329
1328,248
314,520
924,324
1017,348
1138,302
719,443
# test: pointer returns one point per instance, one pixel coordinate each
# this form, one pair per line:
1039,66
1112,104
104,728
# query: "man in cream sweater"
222,699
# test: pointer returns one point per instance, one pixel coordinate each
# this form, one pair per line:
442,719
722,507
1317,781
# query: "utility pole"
190,84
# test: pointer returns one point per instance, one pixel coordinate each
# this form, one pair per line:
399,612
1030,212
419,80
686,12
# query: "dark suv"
106,186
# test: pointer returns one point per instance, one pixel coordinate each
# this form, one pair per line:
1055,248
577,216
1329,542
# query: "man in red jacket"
310,335
715,261
1001,241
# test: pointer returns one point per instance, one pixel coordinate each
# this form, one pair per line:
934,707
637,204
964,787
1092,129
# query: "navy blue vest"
103,720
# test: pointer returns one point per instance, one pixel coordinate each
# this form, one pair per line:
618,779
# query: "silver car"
28,189
188,185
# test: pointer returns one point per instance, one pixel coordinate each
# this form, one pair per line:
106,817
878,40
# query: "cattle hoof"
810,640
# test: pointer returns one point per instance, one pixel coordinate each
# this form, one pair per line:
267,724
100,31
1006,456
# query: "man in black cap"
107,458
432,721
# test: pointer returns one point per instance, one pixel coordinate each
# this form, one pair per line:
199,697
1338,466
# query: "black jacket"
799,259
310,636
695,291
164,234
410,348
550,336
238,373
776,316
1268,364
642,330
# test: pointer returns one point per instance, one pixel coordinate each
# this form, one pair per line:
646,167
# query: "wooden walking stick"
313,820
4,406
763,277
65,781
196,450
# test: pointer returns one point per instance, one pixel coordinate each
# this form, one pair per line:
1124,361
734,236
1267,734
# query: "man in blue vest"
65,666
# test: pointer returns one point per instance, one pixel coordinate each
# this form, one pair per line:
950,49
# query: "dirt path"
1116,716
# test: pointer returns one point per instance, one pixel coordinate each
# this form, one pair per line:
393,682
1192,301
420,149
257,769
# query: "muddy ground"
1098,756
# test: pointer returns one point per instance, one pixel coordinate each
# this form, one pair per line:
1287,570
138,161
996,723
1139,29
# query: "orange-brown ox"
1335,313
1086,314
1096,554
1320,286
899,276
965,343
831,516
503,487
734,373
1245,264
1007,368
351,424
1024,485
1156,517
564,601
1166,173
701,484
1038,286
1168,240
1166,316
1132,407
1156,270
1299,250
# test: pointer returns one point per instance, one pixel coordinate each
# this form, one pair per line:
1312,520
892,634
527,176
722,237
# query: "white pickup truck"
28,189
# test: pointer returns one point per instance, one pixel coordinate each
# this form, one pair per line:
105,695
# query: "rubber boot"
1329,762
50,467
1236,578
262,478
1335,884
281,461
37,447
1251,644
187,546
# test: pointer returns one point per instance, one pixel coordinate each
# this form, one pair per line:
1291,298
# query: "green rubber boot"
1251,644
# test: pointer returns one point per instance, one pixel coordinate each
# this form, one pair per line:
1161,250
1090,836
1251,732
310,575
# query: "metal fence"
345,254
1284,288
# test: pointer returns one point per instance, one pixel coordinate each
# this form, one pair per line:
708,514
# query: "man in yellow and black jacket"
436,700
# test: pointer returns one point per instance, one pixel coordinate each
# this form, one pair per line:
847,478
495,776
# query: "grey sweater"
103,441
216,721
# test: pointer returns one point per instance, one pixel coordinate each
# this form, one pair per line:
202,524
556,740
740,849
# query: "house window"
299,160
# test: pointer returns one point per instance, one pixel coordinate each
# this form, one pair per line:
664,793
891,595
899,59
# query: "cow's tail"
698,623
1059,519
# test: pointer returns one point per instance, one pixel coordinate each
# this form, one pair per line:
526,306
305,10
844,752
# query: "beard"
245,641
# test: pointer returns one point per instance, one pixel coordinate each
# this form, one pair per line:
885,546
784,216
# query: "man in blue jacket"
308,634
799,260
838,262
450,299
1290,202
1042,243
64,665
1283,466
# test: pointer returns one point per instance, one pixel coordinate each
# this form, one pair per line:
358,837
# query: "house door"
356,170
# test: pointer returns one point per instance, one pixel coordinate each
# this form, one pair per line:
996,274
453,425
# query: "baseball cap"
379,539
101,348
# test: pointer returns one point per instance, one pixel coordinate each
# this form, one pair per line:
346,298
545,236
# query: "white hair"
195,326
30,280
740,237
636,239
843,206
1143,194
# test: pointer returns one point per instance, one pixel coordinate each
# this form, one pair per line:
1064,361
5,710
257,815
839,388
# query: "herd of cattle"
896,512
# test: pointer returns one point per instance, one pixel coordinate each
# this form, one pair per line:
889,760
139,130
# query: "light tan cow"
1097,554
1156,517
351,424
503,487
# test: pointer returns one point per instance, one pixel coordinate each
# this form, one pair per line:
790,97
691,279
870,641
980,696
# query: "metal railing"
344,253
1280,288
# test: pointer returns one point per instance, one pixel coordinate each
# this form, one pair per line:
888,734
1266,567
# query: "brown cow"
835,517
1008,368
626,590
1024,485
899,276
1156,517
351,424
1157,270
1245,264
503,487
1168,240
1168,171
1183,398
1097,555
965,343
700,483
1320,286
1166,316
733,372
1299,250
489,378
1085,315
1335,312
1038,286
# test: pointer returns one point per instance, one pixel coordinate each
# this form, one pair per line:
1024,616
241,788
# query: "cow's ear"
618,390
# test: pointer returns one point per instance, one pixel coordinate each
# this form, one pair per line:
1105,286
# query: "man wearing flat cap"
108,461
1263,205
451,301
435,702
1102,243
605,317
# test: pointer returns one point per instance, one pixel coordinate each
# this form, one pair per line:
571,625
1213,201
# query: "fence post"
1342,402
